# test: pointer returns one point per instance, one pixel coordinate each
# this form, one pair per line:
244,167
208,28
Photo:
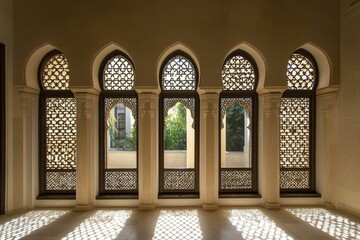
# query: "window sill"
300,195
178,196
239,195
56,196
117,196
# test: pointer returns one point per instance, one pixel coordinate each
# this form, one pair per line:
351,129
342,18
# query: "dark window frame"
44,94
103,193
186,94
311,95
2,130
253,95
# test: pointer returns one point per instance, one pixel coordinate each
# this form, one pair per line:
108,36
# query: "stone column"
209,148
87,148
325,127
269,106
148,148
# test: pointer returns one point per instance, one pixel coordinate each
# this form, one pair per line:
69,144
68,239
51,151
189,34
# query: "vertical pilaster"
325,128
209,149
269,108
148,149
25,166
86,155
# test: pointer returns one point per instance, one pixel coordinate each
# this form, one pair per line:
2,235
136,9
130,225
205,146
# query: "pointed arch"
99,57
323,63
259,60
32,65
178,46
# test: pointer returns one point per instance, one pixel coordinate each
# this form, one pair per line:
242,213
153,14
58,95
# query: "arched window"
179,126
238,127
118,128
57,108
297,125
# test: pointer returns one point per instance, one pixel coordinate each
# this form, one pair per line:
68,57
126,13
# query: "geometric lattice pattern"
118,74
245,103
179,180
104,224
294,132
60,133
300,73
294,179
121,180
60,181
179,74
130,103
55,74
189,103
335,225
178,224
230,179
238,74
254,224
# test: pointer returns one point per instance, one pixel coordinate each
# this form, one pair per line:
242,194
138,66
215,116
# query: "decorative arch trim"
33,63
178,46
98,59
323,62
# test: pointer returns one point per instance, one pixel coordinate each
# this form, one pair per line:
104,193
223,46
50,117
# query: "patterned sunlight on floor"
22,226
104,224
254,224
178,224
332,224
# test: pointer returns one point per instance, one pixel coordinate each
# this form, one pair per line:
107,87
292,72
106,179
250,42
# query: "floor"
181,223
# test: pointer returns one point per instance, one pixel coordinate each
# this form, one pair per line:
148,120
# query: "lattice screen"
179,74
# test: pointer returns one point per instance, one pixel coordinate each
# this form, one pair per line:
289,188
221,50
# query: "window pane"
236,138
179,135
121,138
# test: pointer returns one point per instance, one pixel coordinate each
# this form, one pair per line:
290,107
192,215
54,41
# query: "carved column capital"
209,103
147,104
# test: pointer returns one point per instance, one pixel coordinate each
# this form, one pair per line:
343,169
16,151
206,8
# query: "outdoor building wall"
345,150
86,30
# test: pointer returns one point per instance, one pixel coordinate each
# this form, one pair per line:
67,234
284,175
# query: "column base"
329,205
147,207
210,207
80,208
271,205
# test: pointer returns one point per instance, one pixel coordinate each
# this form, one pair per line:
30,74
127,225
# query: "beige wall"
146,28
346,150
6,37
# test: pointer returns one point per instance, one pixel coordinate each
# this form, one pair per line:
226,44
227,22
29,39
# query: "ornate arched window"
238,127
118,166
179,127
297,125
57,108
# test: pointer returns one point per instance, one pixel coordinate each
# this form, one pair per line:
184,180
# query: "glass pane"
235,138
121,138
179,136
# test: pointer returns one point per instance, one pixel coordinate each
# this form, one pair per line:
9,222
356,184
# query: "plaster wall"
146,28
6,37
346,151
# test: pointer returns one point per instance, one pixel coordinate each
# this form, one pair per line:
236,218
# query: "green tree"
175,128
235,128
